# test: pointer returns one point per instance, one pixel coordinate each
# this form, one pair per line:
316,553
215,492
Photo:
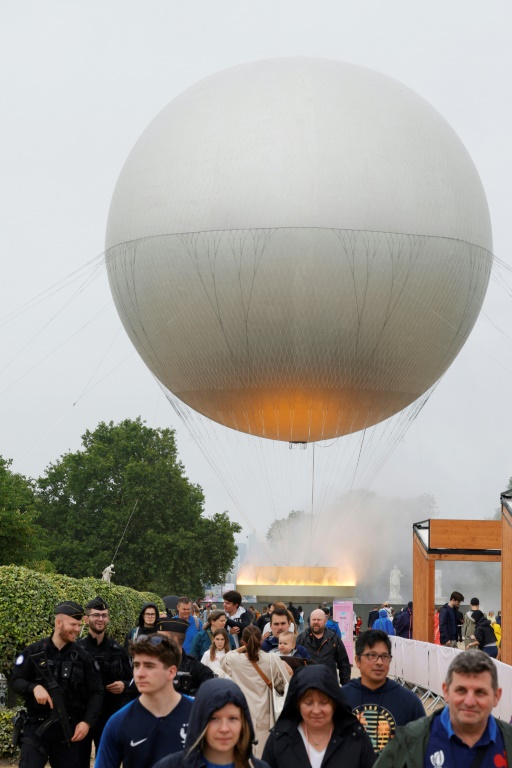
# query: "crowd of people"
474,629
232,687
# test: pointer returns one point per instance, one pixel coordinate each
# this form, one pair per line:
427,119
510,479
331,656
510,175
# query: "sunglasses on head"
153,640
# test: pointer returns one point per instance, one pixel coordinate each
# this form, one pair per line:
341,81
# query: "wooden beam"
465,534
465,557
506,584
423,590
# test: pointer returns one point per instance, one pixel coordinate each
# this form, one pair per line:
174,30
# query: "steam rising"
363,536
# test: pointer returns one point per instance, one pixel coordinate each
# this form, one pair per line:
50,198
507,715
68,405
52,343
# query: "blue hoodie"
383,708
384,623
213,695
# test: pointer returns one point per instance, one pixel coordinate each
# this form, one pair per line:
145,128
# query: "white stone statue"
108,572
394,583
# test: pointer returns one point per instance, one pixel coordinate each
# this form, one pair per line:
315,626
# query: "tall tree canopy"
127,479
21,540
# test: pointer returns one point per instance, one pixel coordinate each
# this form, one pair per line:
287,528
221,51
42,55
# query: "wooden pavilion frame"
474,540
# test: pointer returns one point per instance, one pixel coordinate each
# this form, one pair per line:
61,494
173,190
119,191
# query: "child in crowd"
217,650
286,644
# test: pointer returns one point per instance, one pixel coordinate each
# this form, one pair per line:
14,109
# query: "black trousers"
36,750
94,735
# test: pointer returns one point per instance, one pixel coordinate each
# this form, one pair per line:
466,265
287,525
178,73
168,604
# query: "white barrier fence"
425,665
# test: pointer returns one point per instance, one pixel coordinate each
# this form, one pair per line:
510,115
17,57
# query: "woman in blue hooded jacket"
384,623
219,731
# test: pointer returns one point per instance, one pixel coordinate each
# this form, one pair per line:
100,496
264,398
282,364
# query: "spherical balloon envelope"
298,248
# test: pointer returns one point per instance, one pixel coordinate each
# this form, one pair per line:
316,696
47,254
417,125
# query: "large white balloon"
298,248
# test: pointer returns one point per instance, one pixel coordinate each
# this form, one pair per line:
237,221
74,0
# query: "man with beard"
115,669
61,685
324,646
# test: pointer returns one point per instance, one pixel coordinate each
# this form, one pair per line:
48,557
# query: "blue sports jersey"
137,739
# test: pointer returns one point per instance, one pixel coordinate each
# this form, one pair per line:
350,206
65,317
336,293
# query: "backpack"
401,622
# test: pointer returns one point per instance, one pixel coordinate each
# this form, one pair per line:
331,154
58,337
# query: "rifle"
59,712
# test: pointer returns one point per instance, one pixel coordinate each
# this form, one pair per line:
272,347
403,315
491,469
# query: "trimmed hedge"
28,600
6,747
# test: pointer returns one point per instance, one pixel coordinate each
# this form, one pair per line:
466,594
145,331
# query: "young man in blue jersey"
155,724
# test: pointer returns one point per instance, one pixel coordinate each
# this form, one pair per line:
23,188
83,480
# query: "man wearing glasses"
115,669
380,704
154,725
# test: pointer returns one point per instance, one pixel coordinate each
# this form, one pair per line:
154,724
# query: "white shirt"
315,757
238,635
215,664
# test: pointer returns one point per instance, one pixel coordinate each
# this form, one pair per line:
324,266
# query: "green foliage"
28,599
21,539
284,525
127,482
6,747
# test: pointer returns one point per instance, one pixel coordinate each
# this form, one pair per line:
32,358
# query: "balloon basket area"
295,583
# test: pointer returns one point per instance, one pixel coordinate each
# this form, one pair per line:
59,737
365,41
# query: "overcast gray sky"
80,82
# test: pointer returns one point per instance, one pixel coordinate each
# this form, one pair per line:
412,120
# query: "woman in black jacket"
485,638
219,730
317,727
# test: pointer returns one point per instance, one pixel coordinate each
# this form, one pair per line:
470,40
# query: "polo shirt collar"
488,735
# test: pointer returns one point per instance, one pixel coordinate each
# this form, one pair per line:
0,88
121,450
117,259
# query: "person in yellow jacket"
496,627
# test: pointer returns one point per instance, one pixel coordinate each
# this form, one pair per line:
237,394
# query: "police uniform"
47,731
114,664
191,672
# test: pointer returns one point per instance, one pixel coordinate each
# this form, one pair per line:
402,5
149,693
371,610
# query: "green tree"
21,539
126,485
283,526
497,511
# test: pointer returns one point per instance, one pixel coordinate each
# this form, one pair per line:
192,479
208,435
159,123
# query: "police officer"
191,672
115,668
62,688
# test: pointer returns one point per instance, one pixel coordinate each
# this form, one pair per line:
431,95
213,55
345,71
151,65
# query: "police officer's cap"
69,608
169,624
97,604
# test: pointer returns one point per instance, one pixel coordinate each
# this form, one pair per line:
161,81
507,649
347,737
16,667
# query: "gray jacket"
468,628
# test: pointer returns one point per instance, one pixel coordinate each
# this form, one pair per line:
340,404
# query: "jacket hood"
383,614
211,696
148,605
321,678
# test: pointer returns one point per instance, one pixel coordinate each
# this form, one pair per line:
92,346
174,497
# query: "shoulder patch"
20,659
